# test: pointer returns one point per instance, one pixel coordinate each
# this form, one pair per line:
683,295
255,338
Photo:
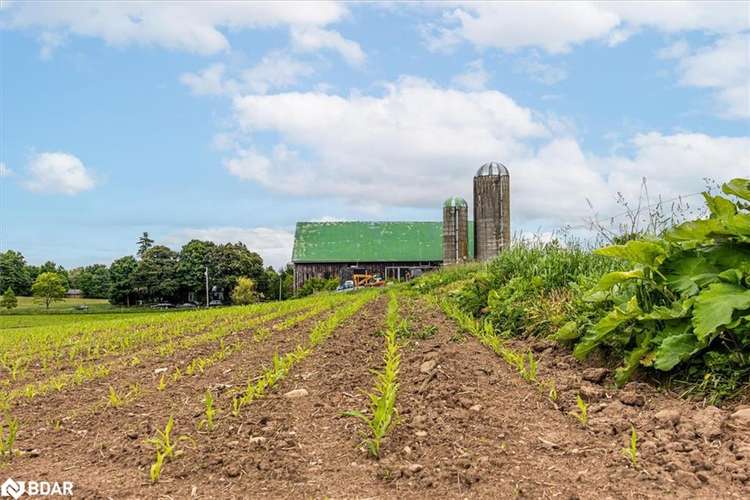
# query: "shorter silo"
455,230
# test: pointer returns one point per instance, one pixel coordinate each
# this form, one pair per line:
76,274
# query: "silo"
455,230
491,211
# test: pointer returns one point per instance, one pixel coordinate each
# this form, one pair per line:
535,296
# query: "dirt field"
468,425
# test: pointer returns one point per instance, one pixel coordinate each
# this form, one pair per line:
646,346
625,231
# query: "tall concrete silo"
455,230
491,211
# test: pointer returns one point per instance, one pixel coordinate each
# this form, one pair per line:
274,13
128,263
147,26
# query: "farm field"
295,399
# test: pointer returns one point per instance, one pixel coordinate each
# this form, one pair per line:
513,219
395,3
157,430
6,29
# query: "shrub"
9,300
244,292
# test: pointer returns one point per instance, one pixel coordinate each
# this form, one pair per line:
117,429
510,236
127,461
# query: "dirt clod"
296,393
595,375
708,422
427,366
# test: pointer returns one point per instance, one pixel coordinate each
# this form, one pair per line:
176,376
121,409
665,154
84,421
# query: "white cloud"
548,74
474,78
272,244
58,173
187,26
276,70
312,39
557,26
4,170
725,67
418,143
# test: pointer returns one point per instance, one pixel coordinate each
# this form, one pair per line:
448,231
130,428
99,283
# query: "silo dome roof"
492,168
455,201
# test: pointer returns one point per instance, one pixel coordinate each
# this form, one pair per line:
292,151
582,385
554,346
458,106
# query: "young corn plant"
8,432
552,390
162,383
165,448
208,422
383,397
583,411
115,401
631,452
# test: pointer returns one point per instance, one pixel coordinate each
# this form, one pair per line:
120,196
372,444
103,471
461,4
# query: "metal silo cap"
455,201
492,168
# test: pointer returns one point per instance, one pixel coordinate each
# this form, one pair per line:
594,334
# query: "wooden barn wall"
305,271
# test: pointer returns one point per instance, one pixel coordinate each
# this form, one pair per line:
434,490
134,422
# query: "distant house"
391,249
74,293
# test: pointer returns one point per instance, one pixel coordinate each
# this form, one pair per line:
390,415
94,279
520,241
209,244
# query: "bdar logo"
11,488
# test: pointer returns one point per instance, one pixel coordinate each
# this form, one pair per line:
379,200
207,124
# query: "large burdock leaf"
719,206
738,187
615,278
696,230
648,253
675,349
607,324
715,305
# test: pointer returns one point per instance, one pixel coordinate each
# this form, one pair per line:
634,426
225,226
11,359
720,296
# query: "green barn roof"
370,242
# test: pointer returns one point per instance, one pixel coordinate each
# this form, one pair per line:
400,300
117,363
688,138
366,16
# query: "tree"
144,243
244,291
316,285
121,273
14,273
232,260
156,275
51,267
92,280
9,300
194,257
48,288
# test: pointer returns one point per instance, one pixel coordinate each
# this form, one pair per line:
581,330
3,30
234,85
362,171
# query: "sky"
232,121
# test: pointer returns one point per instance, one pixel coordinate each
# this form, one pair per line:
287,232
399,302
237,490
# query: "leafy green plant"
687,300
165,448
631,452
583,411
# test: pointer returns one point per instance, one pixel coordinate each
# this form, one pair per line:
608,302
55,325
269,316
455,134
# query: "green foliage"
317,285
9,300
14,273
92,280
244,293
687,297
49,287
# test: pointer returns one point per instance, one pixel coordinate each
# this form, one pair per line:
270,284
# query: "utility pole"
206,287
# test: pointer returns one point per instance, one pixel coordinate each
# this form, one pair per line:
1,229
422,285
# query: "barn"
390,249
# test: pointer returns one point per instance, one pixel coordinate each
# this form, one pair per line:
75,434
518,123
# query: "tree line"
156,274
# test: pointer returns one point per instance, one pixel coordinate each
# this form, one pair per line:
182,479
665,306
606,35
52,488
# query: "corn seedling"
8,432
533,365
115,400
162,383
165,448
552,390
383,397
208,422
583,411
631,452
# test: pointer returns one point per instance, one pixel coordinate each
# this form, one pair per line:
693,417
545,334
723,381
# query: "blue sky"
232,121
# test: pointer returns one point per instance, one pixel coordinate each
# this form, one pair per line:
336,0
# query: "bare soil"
469,427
